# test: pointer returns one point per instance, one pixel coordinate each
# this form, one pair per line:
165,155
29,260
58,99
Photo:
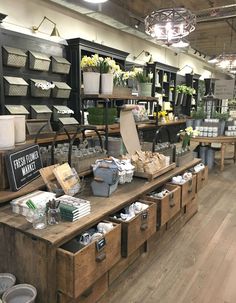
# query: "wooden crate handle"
143,226
171,200
190,183
101,257
87,292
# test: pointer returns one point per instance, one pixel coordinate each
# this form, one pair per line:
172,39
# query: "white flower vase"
107,84
19,123
91,81
7,133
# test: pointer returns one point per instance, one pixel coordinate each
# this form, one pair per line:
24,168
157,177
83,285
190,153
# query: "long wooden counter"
38,257
101,207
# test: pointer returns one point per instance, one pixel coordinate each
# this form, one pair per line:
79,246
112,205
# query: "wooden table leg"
234,152
222,156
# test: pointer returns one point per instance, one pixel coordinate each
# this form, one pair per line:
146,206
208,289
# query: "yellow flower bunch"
90,64
162,113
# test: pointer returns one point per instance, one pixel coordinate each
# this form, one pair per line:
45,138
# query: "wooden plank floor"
198,263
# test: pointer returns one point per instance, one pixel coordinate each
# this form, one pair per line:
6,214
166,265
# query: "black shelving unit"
77,48
29,43
191,80
164,81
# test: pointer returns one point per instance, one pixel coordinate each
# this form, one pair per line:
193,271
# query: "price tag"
144,215
100,244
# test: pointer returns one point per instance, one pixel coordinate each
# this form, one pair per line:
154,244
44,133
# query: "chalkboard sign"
23,166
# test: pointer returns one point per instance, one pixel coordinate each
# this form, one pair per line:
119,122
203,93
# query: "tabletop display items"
53,212
106,178
72,209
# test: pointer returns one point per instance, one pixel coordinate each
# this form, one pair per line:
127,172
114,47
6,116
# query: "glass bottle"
54,216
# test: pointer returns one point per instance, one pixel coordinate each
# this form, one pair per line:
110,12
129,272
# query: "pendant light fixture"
170,24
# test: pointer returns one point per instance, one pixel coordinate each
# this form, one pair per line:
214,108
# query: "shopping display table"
223,140
24,248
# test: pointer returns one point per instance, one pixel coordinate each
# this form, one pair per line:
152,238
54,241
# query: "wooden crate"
168,206
181,160
188,191
191,209
158,173
136,231
202,178
77,271
91,295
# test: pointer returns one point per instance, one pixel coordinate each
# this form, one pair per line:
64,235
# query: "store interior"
117,151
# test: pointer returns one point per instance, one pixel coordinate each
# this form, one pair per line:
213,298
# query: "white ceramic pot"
20,135
7,132
107,84
91,82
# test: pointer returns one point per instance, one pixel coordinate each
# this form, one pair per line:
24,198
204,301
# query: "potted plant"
181,94
198,115
108,67
223,117
90,65
120,81
144,82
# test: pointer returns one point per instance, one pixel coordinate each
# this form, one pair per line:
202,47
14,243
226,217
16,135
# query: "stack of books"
72,208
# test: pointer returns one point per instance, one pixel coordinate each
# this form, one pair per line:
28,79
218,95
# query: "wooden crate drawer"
202,178
77,271
188,191
168,206
137,230
91,295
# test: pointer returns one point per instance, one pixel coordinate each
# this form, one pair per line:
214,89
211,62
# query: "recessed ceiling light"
96,1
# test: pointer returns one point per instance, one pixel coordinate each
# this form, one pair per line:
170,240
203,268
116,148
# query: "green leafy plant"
198,114
140,75
181,89
220,116
143,78
184,89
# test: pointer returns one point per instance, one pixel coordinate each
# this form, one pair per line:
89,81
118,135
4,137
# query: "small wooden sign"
23,166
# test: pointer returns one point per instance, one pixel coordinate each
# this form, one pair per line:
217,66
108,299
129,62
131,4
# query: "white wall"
26,13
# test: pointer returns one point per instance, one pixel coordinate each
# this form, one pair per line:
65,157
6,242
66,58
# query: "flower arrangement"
162,114
90,64
121,78
108,65
139,74
186,134
98,64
